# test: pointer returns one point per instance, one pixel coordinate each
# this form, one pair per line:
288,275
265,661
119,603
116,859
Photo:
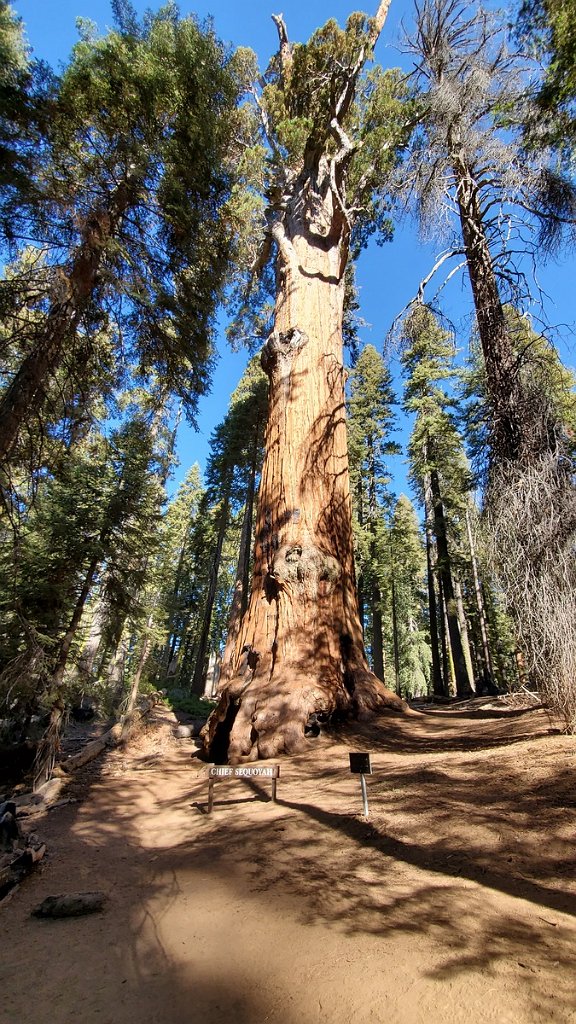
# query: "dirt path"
455,903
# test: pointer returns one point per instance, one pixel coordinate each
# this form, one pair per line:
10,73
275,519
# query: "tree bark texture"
300,649
242,585
377,644
500,360
482,620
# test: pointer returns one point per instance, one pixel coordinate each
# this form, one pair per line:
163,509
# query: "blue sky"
388,276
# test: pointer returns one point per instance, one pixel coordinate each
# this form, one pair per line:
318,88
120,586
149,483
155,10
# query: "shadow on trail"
442,730
445,859
412,872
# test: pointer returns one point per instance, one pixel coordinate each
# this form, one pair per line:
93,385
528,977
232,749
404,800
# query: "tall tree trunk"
463,686
68,638
49,744
197,685
360,583
300,649
175,628
242,585
437,681
447,663
240,596
142,659
500,360
25,394
375,595
464,631
377,644
395,637
482,620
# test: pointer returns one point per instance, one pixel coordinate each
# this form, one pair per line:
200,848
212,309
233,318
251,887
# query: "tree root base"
261,724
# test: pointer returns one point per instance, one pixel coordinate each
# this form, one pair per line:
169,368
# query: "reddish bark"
300,649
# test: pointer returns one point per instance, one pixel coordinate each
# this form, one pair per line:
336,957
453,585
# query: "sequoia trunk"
300,650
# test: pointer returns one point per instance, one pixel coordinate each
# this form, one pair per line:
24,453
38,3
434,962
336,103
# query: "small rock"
70,904
183,732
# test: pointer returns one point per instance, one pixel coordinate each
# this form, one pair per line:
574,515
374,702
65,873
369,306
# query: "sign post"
360,765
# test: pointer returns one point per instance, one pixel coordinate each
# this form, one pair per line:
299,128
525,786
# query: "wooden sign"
241,771
360,764
244,771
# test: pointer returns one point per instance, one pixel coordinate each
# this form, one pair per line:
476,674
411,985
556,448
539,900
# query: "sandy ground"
454,902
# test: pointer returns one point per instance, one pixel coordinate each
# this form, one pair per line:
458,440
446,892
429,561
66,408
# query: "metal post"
364,794
210,795
274,790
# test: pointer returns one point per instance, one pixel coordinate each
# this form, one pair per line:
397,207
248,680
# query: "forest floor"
455,902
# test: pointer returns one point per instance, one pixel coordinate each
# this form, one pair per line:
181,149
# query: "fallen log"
71,904
119,733
14,868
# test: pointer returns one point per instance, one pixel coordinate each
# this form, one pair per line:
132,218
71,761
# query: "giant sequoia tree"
330,134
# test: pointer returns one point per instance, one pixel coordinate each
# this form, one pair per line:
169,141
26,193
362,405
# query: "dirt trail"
455,903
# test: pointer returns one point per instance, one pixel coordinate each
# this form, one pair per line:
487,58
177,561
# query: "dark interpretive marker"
241,771
360,765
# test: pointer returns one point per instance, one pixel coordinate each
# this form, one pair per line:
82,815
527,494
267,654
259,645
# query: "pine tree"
546,28
470,177
132,189
437,458
406,619
370,422
176,575
236,451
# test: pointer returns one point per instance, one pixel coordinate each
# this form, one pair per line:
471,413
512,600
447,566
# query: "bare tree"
467,170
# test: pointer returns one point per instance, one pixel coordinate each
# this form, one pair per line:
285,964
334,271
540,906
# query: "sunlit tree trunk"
242,584
482,621
300,649
500,360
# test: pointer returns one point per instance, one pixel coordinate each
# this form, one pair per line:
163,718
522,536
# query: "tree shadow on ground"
467,859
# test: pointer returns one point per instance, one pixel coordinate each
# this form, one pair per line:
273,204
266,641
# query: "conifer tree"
437,458
406,621
236,452
370,422
330,133
177,578
546,28
471,179
132,190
